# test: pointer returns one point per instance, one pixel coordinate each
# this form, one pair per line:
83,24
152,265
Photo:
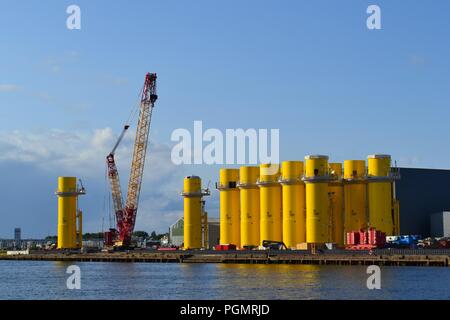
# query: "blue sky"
310,68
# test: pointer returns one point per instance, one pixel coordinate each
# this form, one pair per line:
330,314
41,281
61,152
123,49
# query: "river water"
47,280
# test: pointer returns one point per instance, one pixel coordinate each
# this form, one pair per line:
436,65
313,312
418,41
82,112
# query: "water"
47,280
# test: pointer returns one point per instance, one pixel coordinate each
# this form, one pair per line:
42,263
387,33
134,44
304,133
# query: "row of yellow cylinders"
278,210
266,212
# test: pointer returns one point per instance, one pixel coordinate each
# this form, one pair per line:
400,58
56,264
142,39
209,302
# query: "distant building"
176,232
93,243
165,240
12,244
213,232
440,224
421,192
17,234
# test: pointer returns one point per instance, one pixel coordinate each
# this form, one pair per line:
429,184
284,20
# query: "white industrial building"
176,232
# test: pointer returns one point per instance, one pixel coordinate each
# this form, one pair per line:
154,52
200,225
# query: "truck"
403,241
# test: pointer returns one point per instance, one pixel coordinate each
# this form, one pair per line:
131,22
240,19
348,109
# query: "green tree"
90,236
140,234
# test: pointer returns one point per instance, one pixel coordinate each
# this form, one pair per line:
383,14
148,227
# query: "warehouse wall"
421,192
213,234
440,224
177,232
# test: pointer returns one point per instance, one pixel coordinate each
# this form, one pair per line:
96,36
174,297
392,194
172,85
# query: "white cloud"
82,154
50,150
9,87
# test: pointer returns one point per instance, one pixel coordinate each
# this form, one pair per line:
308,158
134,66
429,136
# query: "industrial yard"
297,212
237,150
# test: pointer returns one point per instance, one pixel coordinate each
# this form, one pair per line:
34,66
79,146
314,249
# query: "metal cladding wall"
177,232
440,224
213,234
421,192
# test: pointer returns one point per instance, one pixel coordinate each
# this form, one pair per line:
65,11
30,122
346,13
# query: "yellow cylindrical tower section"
336,193
229,207
270,203
192,193
380,193
317,202
293,193
67,211
355,213
249,199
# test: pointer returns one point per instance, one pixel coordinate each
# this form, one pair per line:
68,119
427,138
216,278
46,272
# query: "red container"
444,244
353,238
225,247
376,237
363,237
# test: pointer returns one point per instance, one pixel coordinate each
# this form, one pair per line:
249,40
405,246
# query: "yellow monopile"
380,193
294,215
270,203
67,213
249,199
229,207
317,201
193,212
355,216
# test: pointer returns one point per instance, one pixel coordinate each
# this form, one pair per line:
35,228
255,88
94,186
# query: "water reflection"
284,281
47,280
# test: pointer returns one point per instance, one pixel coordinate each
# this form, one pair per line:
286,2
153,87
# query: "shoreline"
236,257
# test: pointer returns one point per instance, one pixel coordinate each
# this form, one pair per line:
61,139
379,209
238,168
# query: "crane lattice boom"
126,217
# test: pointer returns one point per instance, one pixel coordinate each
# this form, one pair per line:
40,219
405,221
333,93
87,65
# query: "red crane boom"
126,216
